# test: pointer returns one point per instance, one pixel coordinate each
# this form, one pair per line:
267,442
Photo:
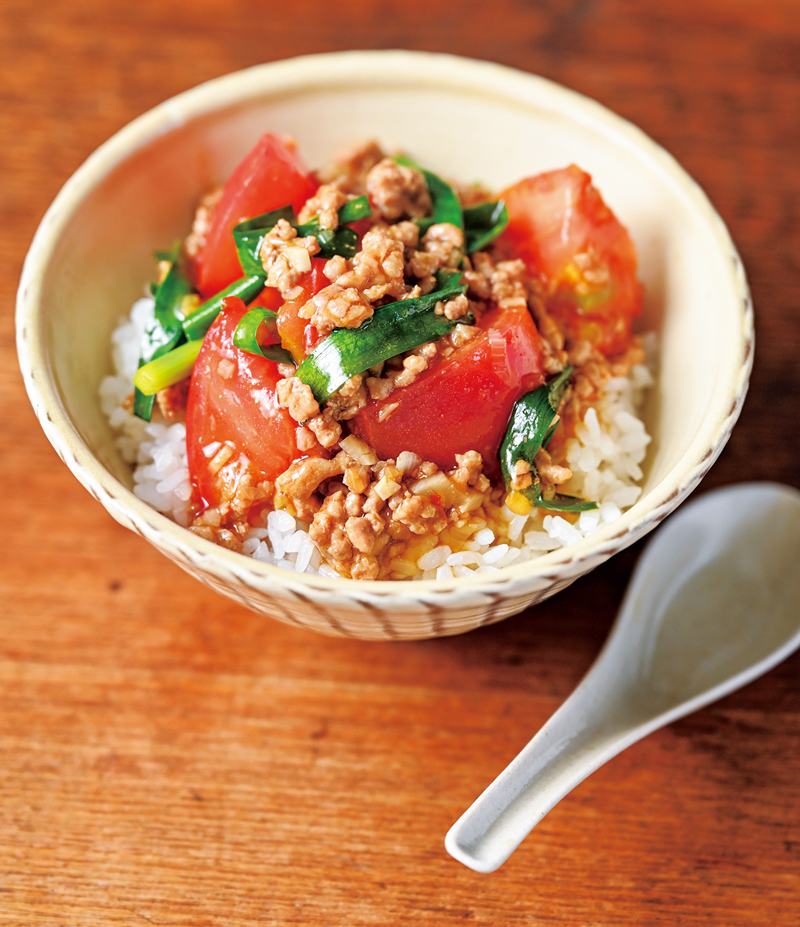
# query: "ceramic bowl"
462,118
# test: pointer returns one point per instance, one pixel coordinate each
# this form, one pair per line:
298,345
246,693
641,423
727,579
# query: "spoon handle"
580,737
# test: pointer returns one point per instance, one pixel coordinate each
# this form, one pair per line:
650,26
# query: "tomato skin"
270,176
241,409
557,216
464,401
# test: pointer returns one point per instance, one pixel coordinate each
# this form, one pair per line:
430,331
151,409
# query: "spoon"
714,603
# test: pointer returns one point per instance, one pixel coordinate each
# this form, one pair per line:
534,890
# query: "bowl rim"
306,73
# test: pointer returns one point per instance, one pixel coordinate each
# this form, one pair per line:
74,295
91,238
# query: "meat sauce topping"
408,361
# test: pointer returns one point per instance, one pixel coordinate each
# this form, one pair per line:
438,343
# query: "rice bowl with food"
371,371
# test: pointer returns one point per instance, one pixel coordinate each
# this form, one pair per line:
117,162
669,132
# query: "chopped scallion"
246,288
164,329
249,235
483,223
245,335
167,369
393,329
532,424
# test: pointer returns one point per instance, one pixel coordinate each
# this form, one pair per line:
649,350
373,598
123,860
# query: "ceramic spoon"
714,602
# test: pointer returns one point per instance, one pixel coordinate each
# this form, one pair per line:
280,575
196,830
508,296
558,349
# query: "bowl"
462,118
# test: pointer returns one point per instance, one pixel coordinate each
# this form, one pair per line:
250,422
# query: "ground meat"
423,265
506,280
335,267
172,400
455,308
196,240
222,536
325,205
325,428
302,477
327,530
397,191
297,398
352,164
522,478
349,400
364,567
364,531
379,388
285,257
470,467
445,241
418,514
378,268
306,440
551,473
407,233
337,307
463,334
555,357
479,285
621,366
413,366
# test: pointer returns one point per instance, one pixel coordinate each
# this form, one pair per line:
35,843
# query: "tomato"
561,227
232,399
269,298
462,402
269,177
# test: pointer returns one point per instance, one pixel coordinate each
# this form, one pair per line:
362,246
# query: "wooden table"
167,757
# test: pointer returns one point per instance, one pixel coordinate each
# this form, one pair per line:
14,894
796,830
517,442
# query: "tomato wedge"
269,177
561,227
232,401
464,401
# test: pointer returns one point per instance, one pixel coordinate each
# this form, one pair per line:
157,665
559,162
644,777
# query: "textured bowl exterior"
698,296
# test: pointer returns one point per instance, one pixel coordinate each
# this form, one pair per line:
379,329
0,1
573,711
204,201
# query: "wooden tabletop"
169,758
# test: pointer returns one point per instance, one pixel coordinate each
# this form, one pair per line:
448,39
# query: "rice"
605,457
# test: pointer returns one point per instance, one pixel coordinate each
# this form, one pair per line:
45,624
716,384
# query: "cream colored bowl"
466,119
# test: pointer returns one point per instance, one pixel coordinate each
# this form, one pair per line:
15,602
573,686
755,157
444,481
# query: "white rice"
605,457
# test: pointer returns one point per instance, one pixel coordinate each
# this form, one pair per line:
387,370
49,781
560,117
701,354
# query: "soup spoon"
714,603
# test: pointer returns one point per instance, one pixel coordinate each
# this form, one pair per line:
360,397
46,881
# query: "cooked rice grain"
605,456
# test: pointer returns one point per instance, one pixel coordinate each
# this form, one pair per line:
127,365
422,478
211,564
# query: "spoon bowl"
714,603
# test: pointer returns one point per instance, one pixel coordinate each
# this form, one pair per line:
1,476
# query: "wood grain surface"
168,758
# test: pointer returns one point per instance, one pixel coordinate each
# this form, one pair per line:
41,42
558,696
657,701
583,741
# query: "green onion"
393,329
249,235
246,288
354,210
164,329
167,369
341,240
531,427
483,223
446,205
245,335
560,502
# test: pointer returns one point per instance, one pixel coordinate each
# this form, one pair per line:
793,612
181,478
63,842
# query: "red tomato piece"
561,227
269,298
232,400
464,401
269,177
